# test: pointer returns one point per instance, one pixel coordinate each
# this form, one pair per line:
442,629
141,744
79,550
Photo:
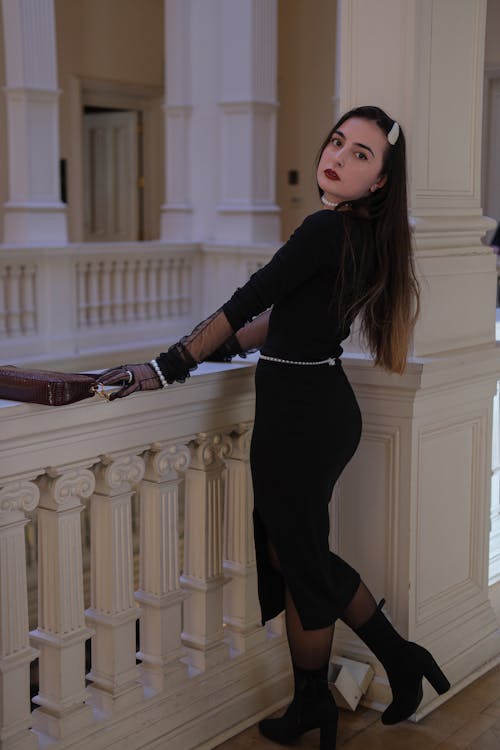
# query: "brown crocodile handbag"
45,386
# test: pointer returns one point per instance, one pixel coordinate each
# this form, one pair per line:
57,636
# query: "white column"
202,576
113,613
220,120
247,210
16,653
241,604
160,594
61,633
414,504
177,211
33,212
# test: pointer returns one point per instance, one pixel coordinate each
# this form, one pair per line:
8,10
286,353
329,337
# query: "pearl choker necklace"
328,203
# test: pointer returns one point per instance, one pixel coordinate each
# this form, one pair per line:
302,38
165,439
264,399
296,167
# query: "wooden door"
111,191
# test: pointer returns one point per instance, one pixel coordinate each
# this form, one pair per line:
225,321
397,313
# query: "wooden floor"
468,721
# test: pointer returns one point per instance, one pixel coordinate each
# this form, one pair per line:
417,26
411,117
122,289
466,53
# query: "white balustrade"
17,299
145,288
186,443
75,304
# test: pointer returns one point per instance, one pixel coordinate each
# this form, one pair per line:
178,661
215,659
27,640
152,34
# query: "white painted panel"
236,154
451,294
452,81
366,510
445,502
178,161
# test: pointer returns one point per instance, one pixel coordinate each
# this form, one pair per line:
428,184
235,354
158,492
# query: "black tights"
310,649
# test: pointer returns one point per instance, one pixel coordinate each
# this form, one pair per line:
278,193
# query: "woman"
352,258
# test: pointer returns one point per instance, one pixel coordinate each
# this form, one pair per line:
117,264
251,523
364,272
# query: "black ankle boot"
312,707
406,664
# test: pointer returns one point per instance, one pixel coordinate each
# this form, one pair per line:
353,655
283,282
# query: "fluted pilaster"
159,594
15,652
203,576
61,632
112,611
241,605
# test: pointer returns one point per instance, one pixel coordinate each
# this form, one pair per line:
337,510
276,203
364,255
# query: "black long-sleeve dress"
307,421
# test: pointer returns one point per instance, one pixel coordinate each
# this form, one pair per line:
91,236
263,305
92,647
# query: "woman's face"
350,166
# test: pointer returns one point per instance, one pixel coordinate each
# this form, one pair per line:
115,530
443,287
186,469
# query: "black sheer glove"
184,356
173,365
176,363
131,378
227,350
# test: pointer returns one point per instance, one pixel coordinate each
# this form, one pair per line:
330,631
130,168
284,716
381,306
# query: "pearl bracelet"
154,364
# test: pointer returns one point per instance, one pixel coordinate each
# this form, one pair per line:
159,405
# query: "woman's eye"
360,155
335,142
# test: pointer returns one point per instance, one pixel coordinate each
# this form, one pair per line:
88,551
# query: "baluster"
175,289
203,633
182,280
82,301
105,286
241,604
93,304
160,595
28,316
112,612
130,290
14,300
15,650
150,294
163,286
171,286
61,632
141,304
186,289
117,287
157,269
3,302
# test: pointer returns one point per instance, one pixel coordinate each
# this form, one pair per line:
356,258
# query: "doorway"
113,178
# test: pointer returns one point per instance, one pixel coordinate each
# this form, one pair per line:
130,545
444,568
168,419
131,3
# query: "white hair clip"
393,134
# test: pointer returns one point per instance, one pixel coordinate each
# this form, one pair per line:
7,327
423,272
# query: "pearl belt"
329,361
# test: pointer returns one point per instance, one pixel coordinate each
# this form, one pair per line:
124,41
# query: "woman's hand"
132,378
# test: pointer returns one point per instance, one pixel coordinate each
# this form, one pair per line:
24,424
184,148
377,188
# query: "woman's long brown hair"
377,280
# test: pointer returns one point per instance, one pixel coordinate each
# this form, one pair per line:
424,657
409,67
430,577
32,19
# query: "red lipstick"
331,175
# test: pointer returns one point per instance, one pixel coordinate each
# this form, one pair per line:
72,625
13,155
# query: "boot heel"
328,734
437,678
